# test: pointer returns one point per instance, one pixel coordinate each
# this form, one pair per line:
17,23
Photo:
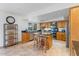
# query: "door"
74,23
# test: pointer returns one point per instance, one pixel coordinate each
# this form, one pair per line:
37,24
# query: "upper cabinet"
61,24
45,25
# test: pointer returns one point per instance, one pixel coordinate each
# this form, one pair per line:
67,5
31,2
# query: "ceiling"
23,8
32,8
54,15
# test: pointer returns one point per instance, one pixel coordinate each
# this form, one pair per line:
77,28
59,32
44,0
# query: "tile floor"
27,49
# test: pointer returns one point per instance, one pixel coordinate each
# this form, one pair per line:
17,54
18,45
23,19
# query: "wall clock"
10,19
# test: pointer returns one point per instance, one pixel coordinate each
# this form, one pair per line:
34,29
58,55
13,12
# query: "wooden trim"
73,7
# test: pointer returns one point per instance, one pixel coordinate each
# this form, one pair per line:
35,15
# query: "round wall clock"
10,19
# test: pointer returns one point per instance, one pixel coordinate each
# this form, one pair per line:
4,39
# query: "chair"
36,40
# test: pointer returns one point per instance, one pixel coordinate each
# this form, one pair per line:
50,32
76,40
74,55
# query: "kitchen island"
49,39
44,37
27,36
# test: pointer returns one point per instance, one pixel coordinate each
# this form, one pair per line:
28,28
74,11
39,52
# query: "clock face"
10,19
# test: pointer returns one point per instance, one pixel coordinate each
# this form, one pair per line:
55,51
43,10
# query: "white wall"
19,21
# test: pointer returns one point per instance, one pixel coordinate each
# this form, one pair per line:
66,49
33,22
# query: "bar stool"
36,40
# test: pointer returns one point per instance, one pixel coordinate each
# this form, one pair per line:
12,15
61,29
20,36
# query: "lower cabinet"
25,37
61,36
49,40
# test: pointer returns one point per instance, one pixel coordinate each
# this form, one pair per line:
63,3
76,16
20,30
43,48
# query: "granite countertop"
23,31
46,33
36,33
76,47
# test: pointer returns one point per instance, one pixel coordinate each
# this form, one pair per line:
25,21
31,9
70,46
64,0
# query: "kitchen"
47,32
54,30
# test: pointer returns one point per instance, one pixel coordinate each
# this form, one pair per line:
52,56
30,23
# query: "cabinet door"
58,36
28,36
63,35
25,37
61,24
49,41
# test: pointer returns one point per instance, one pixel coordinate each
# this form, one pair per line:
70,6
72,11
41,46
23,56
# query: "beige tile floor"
27,49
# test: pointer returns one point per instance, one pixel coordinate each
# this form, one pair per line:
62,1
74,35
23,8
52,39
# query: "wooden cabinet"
58,34
49,39
45,25
61,36
25,37
61,24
